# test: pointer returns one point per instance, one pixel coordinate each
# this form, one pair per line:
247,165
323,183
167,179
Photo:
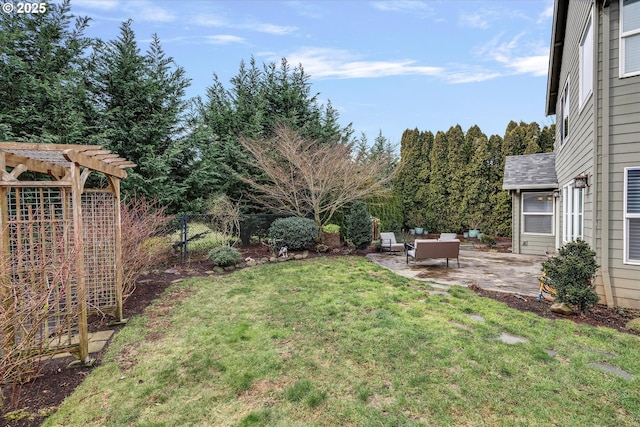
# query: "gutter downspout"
606,123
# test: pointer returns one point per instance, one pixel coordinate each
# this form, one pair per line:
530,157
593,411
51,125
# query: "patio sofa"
432,248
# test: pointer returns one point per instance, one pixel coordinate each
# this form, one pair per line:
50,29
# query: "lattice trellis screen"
98,214
42,264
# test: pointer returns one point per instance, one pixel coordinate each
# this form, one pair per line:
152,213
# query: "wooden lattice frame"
45,223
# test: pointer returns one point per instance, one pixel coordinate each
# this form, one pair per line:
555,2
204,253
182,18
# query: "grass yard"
341,342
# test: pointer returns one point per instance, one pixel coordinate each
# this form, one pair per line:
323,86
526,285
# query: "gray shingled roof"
530,171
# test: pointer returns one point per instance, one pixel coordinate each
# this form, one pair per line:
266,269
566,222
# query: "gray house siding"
616,128
624,151
575,157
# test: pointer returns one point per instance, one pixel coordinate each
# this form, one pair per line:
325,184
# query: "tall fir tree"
43,60
139,101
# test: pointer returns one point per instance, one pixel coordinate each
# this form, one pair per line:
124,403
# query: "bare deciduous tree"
305,177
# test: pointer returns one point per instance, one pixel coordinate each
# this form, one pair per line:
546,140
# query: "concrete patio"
504,272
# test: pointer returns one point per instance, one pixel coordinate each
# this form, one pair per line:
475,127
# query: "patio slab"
495,271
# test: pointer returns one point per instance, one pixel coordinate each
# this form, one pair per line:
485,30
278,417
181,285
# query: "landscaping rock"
305,254
561,308
322,248
298,256
252,263
273,259
633,324
218,269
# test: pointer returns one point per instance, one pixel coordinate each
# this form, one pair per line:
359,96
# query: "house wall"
527,244
575,156
624,151
617,124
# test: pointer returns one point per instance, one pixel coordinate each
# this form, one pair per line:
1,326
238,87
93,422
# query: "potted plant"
417,218
475,219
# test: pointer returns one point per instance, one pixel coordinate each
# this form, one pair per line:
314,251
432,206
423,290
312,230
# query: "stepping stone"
612,370
512,339
477,317
551,353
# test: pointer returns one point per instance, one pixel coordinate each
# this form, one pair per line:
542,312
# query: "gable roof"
555,57
530,172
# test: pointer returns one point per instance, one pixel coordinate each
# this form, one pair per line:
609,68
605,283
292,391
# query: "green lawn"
342,342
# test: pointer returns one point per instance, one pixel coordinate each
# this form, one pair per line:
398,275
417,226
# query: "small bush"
331,228
358,226
224,256
571,274
490,241
295,233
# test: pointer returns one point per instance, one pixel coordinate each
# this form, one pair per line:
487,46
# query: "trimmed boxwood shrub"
224,256
295,233
571,274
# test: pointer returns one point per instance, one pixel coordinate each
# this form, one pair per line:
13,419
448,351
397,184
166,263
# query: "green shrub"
224,256
488,240
358,226
331,228
295,233
571,274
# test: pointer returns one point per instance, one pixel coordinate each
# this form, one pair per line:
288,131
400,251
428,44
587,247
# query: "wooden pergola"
61,242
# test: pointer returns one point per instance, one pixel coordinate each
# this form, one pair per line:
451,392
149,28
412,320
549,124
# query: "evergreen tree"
439,184
457,177
258,101
140,105
43,58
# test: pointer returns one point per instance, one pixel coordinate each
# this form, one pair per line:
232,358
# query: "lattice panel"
42,264
98,213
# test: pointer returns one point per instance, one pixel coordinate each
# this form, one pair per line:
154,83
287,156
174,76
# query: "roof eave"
555,57
547,186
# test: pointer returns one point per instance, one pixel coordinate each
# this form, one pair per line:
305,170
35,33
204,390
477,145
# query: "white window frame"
586,62
565,107
572,213
628,217
624,36
523,215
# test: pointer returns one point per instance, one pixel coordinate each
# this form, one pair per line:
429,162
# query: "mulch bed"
56,382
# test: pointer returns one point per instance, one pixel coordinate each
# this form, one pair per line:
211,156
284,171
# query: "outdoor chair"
388,242
448,236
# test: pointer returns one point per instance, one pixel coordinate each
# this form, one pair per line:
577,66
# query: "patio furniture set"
447,246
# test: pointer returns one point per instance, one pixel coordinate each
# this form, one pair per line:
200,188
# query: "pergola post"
78,242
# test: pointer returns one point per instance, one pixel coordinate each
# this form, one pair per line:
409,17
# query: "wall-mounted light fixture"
581,181
557,193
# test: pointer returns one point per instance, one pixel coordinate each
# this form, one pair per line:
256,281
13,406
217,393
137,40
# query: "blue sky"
385,65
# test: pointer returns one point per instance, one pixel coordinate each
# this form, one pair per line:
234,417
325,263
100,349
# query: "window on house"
537,213
586,62
630,38
632,215
572,213
564,107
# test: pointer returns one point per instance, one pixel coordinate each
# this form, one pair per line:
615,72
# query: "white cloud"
546,14
509,54
269,28
152,13
340,64
536,65
409,6
224,39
